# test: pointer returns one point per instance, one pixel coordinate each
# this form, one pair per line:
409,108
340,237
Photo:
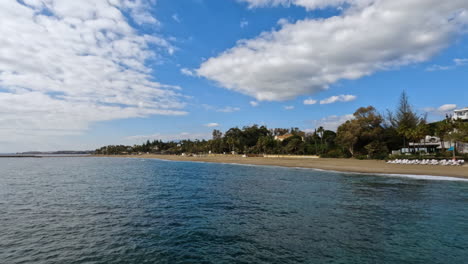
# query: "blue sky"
86,74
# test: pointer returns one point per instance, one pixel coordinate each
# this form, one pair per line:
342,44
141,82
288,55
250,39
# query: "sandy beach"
344,165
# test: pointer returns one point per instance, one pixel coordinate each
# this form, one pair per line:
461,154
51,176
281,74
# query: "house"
283,137
286,136
461,114
431,144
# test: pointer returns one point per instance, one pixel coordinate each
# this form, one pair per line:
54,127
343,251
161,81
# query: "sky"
77,75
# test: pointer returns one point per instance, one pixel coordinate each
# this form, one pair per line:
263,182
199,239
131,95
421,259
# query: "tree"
217,134
421,131
234,138
404,119
216,144
363,133
251,135
329,139
295,146
443,128
376,149
458,134
280,131
320,132
348,135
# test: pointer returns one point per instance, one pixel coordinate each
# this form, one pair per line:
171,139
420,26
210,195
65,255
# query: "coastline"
339,165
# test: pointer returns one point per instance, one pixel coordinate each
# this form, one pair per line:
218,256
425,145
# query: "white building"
431,144
428,144
461,114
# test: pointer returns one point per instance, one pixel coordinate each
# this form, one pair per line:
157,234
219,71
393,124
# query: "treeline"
248,140
368,135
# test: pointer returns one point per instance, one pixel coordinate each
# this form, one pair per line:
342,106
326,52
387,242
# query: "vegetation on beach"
368,135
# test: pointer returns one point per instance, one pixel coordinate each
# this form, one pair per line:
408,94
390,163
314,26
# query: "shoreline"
328,164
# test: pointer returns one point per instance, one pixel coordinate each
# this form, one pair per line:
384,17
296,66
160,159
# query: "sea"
118,210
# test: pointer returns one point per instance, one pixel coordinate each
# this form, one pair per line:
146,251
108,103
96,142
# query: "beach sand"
343,165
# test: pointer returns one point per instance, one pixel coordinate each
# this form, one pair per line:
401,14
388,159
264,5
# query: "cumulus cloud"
338,98
330,122
212,125
67,64
137,9
310,101
289,107
309,55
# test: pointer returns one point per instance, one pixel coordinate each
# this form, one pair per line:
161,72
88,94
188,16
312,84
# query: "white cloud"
289,107
310,101
330,122
460,62
436,67
228,109
441,110
309,55
308,4
168,137
187,72
254,103
456,63
338,98
447,107
65,65
212,125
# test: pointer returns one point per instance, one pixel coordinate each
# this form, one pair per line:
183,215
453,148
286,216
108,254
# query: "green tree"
217,134
348,135
404,119
363,133
294,145
459,133
266,144
320,132
421,131
443,128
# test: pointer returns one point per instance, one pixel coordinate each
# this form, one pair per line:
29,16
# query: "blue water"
105,210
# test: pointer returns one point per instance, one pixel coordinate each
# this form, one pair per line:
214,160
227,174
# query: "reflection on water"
104,210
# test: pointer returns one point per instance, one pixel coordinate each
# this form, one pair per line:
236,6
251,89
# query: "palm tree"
443,128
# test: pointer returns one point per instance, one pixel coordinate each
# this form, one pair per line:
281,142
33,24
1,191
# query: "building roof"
284,136
459,110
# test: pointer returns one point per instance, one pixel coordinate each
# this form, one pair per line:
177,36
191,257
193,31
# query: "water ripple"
91,210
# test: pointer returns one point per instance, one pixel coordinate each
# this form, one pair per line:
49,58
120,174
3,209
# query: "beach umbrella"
452,148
